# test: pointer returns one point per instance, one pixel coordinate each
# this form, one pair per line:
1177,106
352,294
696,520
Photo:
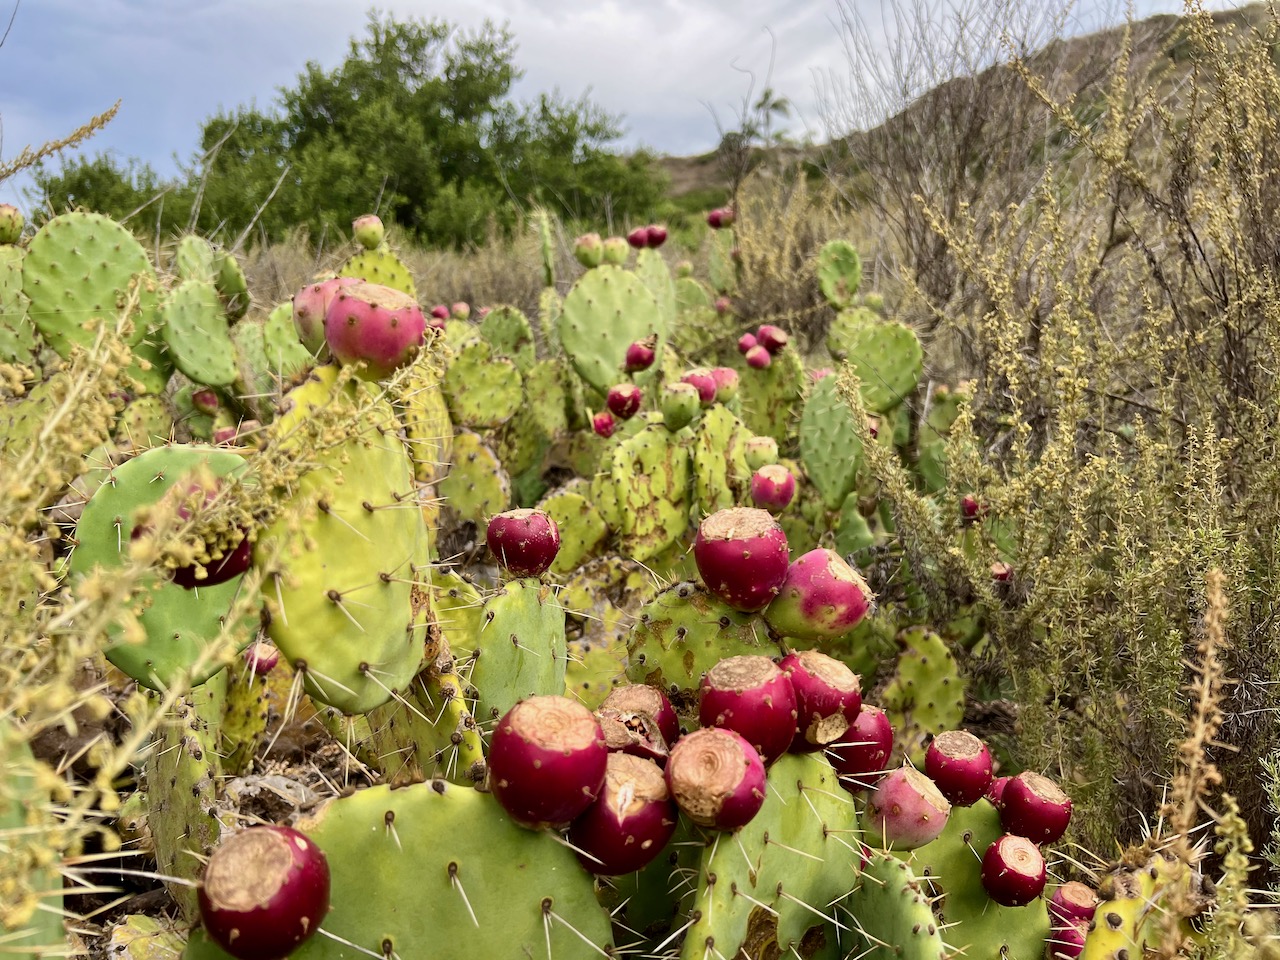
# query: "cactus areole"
716,778
821,598
265,891
742,555
524,541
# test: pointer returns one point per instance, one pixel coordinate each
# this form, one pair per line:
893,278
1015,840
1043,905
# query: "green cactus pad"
582,528
829,443
233,286
888,359
519,649
80,268
425,416
595,668
340,560
651,477
550,306
458,333
889,915
145,422
140,937
267,356
925,695
382,266
521,445
546,397
509,333
476,487
19,339
721,269
839,272
853,533
652,269
684,632
482,390
195,259
771,397
692,295
844,330
546,246
178,624
195,330
605,312
721,477
762,889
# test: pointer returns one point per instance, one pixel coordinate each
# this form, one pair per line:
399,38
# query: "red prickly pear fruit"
369,231
873,426
191,497
772,338
643,698
264,892
547,761
681,404
746,342
623,400
11,223
524,541
1071,902
616,251
1013,871
374,325
1001,572
638,238
1035,807
860,754
995,792
971,509
641,354
905,810
715,218
311,305
632,732
820,374
701,378
960,764
440,312
724,305
822,598
631,821
741,554
750,695
225,436
589,250
206,401
760,452
773,487
482,312
261,657
1066,940
758,358
726,379
655,236
604,424
717,778
828,698
460,311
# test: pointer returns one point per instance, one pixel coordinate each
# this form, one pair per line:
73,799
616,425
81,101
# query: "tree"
128,190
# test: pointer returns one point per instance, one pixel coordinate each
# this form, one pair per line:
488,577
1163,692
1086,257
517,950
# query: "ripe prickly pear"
631,820
822,598
643,698
828,698
726,379
1066,940
760,451
716,778
190,497
616,251
742,556
524,541
368,231
1013,871
440,312
1073,901
310,304
589,250
460,310
604,424
905,810
960,764
680,405
655,236
634,733
746,342
547,761
701,378
720,218
860,754
1035,807
206,401
995,792
758,358
264,892
11,223
261,657
772,338
623,400
638,238
641,354
773,487
752,696
722,306
374,325
971,509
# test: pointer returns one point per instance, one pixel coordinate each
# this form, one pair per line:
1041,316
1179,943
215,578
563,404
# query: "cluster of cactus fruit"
571,759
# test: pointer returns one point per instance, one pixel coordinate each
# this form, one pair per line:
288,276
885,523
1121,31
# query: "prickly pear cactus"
771,397
652,269
651,476
606,311
839,272
195,259
195,330
267,356
925,694
721,477
19,339
476,486
886,356
510,335
232,285
888,913
830,446
482,390
380,265
583,530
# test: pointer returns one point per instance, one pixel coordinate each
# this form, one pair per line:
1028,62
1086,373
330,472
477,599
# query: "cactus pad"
482,390
195,330
839,272
476,486
382,266
925,695
605,312
651,477
829,443
509,333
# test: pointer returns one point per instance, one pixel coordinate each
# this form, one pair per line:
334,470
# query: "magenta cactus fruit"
860,754
702,379
746,342
1066,940
11,223
547,761
369,231
750,695
638,238
971,509
261,657
633,732
773,487
604,424
641,354
589,250
905,810
772,338
828,698
440,312
655,236
460,311
264,892
960,764
758,358
206,401
717,778
1073,901
741,554
1013,871
616,251
1001,572
524,541
681,404
631,820
643,698
375,325
722,306
191,497
760,451
720,218
310,305
821,598
726,379
995,792
623,400
1035,807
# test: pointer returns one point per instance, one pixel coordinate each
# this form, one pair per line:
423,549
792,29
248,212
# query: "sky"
676,71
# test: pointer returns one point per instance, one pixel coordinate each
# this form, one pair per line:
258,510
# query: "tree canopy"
418,124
